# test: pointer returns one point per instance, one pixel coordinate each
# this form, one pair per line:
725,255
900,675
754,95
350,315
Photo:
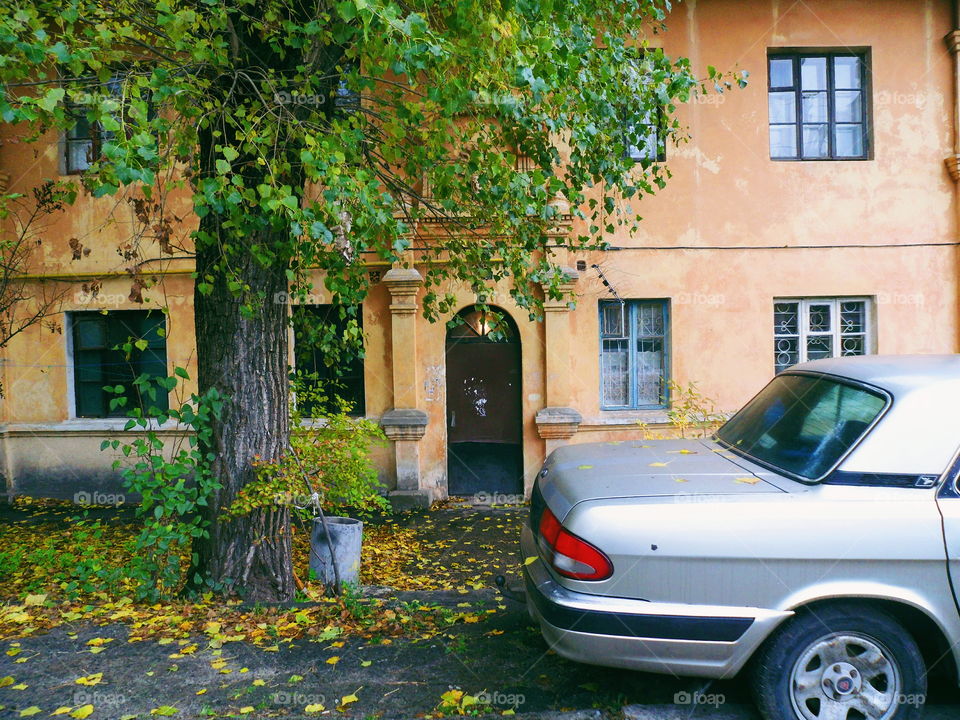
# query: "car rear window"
802,424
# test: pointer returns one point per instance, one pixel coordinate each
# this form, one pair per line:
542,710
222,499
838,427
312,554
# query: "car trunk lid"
648,468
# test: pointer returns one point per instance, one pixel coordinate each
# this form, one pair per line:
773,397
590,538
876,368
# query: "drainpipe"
953,44
953,162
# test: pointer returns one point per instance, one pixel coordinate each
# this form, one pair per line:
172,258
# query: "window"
815,328
633,354
337,374
802,424
82,142
818,106
648,132
97,362
644,135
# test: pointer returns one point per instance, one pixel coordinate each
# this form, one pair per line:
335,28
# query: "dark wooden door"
484,432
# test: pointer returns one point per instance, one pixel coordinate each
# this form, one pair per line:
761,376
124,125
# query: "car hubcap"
845,676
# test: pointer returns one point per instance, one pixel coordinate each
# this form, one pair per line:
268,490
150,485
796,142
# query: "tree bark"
244,356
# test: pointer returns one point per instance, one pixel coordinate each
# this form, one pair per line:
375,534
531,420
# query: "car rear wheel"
840,662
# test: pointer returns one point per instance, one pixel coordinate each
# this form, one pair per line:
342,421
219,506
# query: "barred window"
633,354
815,328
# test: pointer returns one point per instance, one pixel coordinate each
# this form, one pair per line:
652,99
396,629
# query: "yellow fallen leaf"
530,560
246,709
333,660
27,712
314,708
20,686
658,464
366,663
164,711
680,480
4,681
62,710
34,600
748,480
347,700
259,682
584,467
202,692
81,712
88,680
337,644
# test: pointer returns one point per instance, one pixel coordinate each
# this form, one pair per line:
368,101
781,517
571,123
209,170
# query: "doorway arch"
484,414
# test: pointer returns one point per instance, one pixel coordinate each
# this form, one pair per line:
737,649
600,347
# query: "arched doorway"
484,427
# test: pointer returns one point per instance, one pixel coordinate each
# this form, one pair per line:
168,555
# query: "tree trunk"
244,356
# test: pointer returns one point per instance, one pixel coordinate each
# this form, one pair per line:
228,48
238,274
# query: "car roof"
897,374
918,432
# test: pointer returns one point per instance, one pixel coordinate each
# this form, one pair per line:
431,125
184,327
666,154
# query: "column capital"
404,423
567,286
403,284
558,423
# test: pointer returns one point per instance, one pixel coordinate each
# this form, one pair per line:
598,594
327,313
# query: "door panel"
484,418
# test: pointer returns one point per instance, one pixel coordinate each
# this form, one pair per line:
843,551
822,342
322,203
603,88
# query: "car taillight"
571,556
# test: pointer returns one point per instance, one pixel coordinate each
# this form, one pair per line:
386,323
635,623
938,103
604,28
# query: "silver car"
814,541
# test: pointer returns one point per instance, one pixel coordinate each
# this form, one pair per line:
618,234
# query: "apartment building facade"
812,214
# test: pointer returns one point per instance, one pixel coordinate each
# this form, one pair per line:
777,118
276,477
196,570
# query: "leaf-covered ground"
42,546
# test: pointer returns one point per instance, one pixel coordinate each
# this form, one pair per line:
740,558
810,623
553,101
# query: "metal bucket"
346,537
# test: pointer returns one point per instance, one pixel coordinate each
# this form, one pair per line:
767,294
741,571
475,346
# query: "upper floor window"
326,361
633,354
647,131
818,105
98,361
644,132
816,328
81,143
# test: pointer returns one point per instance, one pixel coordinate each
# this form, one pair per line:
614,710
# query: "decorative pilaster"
558,422
405,424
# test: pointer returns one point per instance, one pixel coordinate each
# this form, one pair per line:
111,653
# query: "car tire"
840,661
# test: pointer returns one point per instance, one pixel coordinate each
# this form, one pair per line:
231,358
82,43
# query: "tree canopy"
454,134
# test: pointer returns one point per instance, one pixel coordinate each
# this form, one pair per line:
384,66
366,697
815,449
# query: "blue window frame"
634,354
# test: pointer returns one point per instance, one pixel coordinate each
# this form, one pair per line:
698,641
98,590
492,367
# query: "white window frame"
804,332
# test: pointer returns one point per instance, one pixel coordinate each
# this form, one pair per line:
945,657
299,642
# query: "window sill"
88,425
654,416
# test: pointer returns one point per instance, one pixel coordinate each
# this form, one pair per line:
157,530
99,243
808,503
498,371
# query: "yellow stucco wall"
725,193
